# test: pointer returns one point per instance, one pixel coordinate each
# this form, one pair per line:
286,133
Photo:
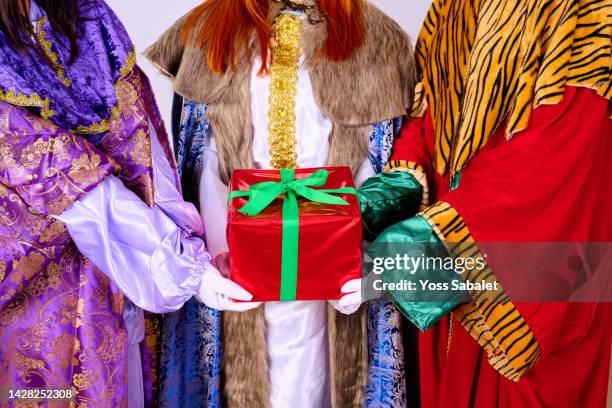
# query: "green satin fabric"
388,198
415,230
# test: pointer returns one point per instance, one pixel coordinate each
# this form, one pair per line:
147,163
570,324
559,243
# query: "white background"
145,20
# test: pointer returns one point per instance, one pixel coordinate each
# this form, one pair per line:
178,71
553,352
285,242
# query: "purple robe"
63,130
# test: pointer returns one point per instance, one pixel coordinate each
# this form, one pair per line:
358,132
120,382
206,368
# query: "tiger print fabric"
484,61
491,318
417,172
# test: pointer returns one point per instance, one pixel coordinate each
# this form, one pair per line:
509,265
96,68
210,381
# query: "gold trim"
103,125
47,46
283,90
128,64
34,100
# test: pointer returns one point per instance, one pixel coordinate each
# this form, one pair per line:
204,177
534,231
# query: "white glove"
352,298
217,292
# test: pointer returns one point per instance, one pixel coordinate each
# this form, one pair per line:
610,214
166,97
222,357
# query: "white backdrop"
145,20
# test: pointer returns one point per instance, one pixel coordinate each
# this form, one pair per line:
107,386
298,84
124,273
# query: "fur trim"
245,367
245,364
230,119
348,351
348,146
375,84
187,66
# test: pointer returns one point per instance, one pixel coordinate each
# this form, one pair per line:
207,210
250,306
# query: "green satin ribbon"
261,195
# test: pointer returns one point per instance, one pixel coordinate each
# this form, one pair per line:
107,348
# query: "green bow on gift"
261,195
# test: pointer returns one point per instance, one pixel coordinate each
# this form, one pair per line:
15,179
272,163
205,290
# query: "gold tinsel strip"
283,89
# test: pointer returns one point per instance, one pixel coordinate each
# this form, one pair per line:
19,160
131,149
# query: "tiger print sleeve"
533,188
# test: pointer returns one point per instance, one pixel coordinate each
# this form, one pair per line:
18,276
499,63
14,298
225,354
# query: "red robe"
549,183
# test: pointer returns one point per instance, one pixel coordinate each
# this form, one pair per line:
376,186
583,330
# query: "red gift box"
325,252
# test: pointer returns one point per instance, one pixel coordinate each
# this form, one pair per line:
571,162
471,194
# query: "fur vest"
374,85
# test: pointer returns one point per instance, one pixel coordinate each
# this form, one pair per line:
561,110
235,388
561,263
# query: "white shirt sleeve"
150,253
213,195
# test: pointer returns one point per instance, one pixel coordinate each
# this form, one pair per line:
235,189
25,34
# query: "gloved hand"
388,198
415,237
217,292
352,298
